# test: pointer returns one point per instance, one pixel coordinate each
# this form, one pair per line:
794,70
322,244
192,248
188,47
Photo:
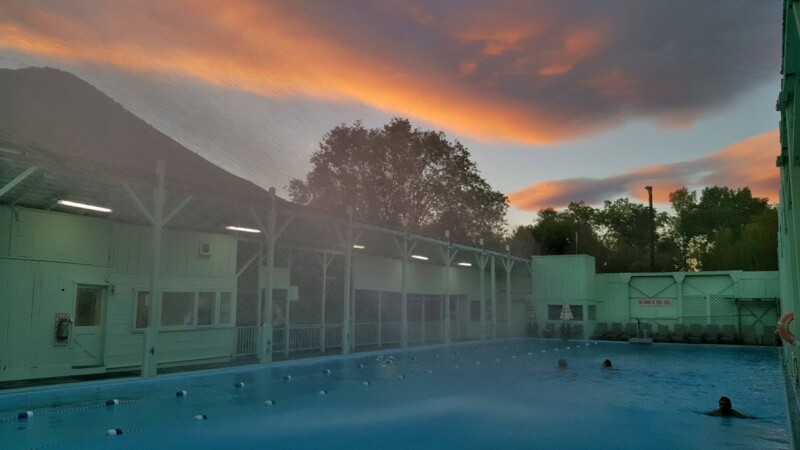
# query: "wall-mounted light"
359,246
84,206
465,264
242,229
420,257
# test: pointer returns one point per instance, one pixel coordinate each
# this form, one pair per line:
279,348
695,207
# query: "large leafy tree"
399,175
726,229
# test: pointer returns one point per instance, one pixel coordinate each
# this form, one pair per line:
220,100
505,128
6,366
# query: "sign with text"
655,302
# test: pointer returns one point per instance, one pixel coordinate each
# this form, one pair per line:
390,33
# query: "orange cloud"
748,163
512,72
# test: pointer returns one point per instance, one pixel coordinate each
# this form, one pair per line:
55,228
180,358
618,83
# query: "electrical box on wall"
205,249
63,329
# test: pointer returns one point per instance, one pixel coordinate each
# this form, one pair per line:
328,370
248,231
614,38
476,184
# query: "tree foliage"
398,175
725,229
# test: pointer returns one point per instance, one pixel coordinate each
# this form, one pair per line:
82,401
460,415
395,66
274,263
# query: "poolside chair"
697,332
681,334
663,334
577,331
713,334
630,330
728,335
549,330
616,332
532,330
600,331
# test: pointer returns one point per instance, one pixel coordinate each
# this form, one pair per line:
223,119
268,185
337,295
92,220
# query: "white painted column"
265,349
380,318
493,286
322,332
509,264
348,261
149,359
404,295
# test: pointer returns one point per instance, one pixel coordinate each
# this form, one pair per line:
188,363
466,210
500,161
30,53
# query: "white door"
87,331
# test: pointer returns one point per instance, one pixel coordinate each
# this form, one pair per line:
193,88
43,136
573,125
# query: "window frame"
216,309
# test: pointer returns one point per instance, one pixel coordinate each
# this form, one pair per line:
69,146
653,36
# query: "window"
88,307
577,312
142,311
205,308
177,309
224,308
186,309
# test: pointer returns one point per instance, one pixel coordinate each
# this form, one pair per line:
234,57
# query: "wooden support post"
150,358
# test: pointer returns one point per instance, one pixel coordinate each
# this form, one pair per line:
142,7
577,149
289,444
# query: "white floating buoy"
326,372
24,415
567,348
456,366
181,394
530,354
544,351
497,360
365,383
323,392
238,384
431,371
112,402
201,417
361,366
269,403
555,349
513,356
401,376
287,377
437,355
114,432
477,363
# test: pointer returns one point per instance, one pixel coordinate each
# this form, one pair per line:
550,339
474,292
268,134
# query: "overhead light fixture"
242,229
465,264
420,257
359,246
84,206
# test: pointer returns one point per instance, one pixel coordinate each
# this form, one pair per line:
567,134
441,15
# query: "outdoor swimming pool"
506,394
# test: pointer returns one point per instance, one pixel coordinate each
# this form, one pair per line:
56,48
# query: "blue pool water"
507,394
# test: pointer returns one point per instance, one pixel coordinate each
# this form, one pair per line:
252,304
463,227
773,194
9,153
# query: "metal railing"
246,341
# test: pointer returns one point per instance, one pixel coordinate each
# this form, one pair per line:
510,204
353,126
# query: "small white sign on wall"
655,302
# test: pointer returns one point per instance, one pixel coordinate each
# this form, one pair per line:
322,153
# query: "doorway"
87,334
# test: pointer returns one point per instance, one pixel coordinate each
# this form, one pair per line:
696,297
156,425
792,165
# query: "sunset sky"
558,101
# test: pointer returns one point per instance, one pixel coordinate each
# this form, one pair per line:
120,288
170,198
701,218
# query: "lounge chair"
681,334
728,335
663,334
549,330
576,332
713,334
697,332
616,332
630,330
600,331
532,329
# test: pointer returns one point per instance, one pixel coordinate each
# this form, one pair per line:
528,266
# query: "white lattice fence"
694,309
723,310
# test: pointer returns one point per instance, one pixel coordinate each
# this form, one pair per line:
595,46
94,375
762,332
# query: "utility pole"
652,230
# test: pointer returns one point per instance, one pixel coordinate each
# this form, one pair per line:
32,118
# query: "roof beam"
177,210
17,180
143,209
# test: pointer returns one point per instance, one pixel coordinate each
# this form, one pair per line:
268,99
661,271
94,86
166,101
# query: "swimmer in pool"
607,364
562,363
726,410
